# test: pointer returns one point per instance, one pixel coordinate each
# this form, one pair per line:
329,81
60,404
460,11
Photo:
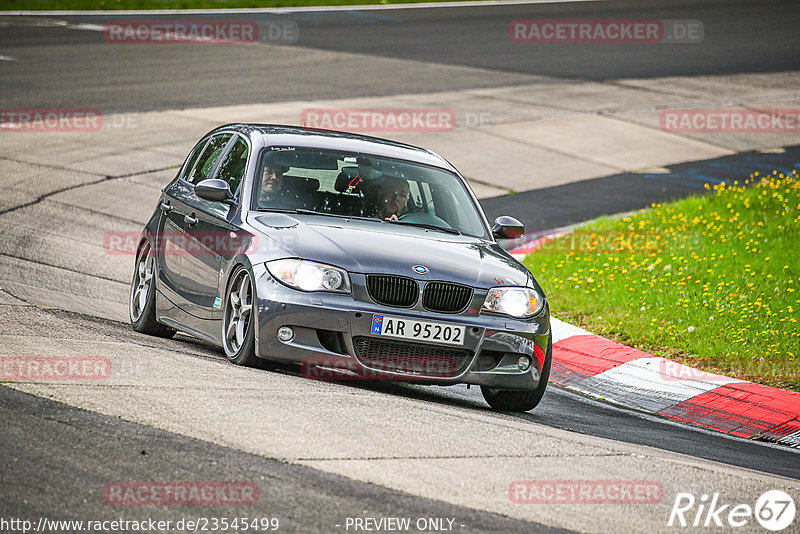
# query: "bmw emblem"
420,269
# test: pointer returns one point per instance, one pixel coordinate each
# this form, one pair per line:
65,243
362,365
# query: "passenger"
287,192
275,191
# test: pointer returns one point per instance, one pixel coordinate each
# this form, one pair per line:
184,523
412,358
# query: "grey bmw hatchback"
352,256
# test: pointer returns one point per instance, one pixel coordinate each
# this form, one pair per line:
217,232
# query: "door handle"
191,220
165,207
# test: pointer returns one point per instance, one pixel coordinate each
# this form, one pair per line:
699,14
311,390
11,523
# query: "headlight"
513,301
309,275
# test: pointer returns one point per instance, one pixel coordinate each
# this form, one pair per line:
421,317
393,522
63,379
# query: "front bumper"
328,326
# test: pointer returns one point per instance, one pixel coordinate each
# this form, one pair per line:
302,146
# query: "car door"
170,237
211,235
180,215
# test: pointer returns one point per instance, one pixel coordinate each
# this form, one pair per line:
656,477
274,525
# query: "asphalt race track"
81,444
319,452
469,47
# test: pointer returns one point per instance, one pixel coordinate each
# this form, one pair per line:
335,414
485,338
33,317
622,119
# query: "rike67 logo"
774,510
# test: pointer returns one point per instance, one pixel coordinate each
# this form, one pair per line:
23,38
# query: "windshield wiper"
302,211
425,225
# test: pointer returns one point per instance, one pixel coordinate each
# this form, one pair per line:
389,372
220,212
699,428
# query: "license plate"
417,330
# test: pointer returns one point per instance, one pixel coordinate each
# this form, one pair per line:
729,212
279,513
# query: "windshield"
354,185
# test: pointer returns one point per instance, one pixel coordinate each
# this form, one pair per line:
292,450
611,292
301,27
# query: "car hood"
369,247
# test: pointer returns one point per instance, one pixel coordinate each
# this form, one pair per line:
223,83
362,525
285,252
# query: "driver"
272,181
392,198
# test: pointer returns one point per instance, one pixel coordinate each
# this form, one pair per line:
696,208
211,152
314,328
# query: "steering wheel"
424,217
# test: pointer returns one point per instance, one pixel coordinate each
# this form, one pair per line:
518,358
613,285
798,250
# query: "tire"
142,302
508,400
238,321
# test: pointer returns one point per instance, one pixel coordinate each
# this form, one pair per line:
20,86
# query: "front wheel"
143,296
508,400
238,322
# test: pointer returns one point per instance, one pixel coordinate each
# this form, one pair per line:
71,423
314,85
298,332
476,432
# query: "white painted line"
666,375
7,58
793,440
648,384
87,27
375,7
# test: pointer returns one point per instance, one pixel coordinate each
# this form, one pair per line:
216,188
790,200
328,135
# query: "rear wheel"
508,400
238,324
143,296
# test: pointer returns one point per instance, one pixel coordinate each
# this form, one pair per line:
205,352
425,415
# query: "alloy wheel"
143,280
238,312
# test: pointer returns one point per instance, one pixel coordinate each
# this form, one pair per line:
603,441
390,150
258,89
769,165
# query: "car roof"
300,136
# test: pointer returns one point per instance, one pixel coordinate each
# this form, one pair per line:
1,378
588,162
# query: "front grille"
415,359
393,290
446,297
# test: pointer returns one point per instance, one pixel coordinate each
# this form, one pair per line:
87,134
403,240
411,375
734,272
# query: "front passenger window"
232,168
207,161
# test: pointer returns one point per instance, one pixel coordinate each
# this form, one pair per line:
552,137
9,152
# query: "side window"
205,163
193,158
232,167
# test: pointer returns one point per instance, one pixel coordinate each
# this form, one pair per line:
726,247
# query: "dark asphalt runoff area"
564,205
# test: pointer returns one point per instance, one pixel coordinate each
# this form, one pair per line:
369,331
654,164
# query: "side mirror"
214,190
506,227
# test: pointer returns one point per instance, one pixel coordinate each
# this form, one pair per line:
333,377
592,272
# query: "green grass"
61,5
712,281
